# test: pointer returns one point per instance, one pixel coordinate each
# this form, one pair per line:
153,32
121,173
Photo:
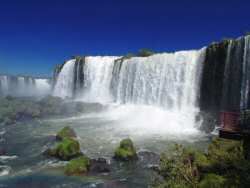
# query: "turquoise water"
99,133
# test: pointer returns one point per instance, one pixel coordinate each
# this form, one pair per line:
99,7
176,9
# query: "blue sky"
36,35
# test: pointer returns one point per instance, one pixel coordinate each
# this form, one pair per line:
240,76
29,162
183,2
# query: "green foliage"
77,166
212,181
222,166
180,167
66,132
145,53
67,149
126,150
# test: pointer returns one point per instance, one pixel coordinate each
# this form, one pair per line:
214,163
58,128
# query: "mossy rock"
67,149
66,132
77,166
212,181
126,151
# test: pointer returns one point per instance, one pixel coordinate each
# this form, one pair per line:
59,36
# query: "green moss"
77,166
126,150
66,132
212,181
67,149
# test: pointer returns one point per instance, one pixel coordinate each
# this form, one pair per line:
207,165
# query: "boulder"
2,151
126,151
99,165
66,132
77,166
67,149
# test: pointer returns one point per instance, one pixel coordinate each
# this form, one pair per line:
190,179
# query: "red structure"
230,125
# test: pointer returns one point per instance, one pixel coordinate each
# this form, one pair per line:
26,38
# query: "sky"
36,35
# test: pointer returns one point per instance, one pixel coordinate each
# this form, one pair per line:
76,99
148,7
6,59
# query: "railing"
230,121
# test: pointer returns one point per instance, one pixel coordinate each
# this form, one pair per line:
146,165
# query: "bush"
145,53
77,166
222,166
212,181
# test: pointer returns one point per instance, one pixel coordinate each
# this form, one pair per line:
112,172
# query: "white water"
97,79
155,95
43,86
24,86
4,84
169,80
246,74
65,81
4,170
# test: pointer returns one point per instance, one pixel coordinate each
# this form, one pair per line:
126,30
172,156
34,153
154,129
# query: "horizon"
37,35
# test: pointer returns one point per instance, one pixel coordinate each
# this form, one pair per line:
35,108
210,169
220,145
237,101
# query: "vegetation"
67,149
66,132
145,53
77,166
126,151
222,166
141,53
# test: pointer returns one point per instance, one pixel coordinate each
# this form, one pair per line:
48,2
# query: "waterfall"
164,88
97,79
20,86
65,81
170,80
43,86
246,75
4,87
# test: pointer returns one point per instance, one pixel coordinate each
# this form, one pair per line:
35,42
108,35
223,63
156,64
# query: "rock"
126,151
67,149
77,166
2,151
99,165
66,132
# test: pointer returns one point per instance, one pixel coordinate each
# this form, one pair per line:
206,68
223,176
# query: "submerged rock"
2,151
99,165
67,149
126,151
66,132
78,166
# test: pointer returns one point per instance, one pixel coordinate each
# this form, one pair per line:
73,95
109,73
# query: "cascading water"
4,87
65,81
97,79
43,86
245,103
20,86
150,91
167,80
